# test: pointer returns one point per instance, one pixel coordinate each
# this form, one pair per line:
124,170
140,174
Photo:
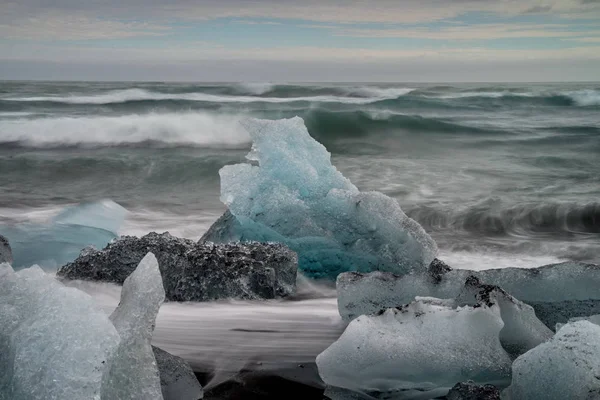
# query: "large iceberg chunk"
132,371
295,196
54,342
557,292
566,367
428,345
60,241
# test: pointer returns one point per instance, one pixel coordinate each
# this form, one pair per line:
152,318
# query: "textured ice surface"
295,196
426,345
59,241
5,251
566,367
195,271
557,291
177,379
132,371
594,319
522,330
54,342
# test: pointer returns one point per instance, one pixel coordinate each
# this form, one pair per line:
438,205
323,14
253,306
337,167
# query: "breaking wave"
202,129
174,129
492,217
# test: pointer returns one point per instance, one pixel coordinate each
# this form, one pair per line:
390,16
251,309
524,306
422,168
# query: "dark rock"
5,251
191,271
437,269
471,391
177,380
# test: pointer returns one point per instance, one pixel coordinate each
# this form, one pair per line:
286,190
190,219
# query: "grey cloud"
538,9
280,71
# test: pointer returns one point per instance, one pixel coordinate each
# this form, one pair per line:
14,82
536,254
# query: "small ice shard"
195,271
58,242
557,292
132,371
54,341
472,391
5,251
565,367
428,345
297,197
177,379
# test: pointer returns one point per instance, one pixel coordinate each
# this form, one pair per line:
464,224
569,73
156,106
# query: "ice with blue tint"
53,244
132,372
54,342
291,193
565,367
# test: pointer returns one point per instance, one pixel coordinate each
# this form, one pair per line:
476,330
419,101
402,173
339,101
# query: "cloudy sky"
301,40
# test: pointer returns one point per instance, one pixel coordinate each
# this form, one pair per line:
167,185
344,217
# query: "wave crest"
174,129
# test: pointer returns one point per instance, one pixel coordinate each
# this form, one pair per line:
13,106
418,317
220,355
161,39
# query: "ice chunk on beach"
426,346
557,292
565,367
132,372
60,241
176,377
54,342
295,196
594,319
522,330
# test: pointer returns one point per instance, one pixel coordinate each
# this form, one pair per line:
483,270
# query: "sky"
301,40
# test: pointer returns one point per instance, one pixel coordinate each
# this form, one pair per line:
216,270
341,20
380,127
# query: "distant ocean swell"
216,129
299,94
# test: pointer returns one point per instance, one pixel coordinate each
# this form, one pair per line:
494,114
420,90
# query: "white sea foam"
586,97
197,129
255,88
379,92
121,96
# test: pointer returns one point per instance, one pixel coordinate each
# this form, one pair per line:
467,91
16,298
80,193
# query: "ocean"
499,174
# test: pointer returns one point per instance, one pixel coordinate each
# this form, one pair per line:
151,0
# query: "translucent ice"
132,372
295,196
522,330
54,342
60,241
428,345
557,291
566,367
176,377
